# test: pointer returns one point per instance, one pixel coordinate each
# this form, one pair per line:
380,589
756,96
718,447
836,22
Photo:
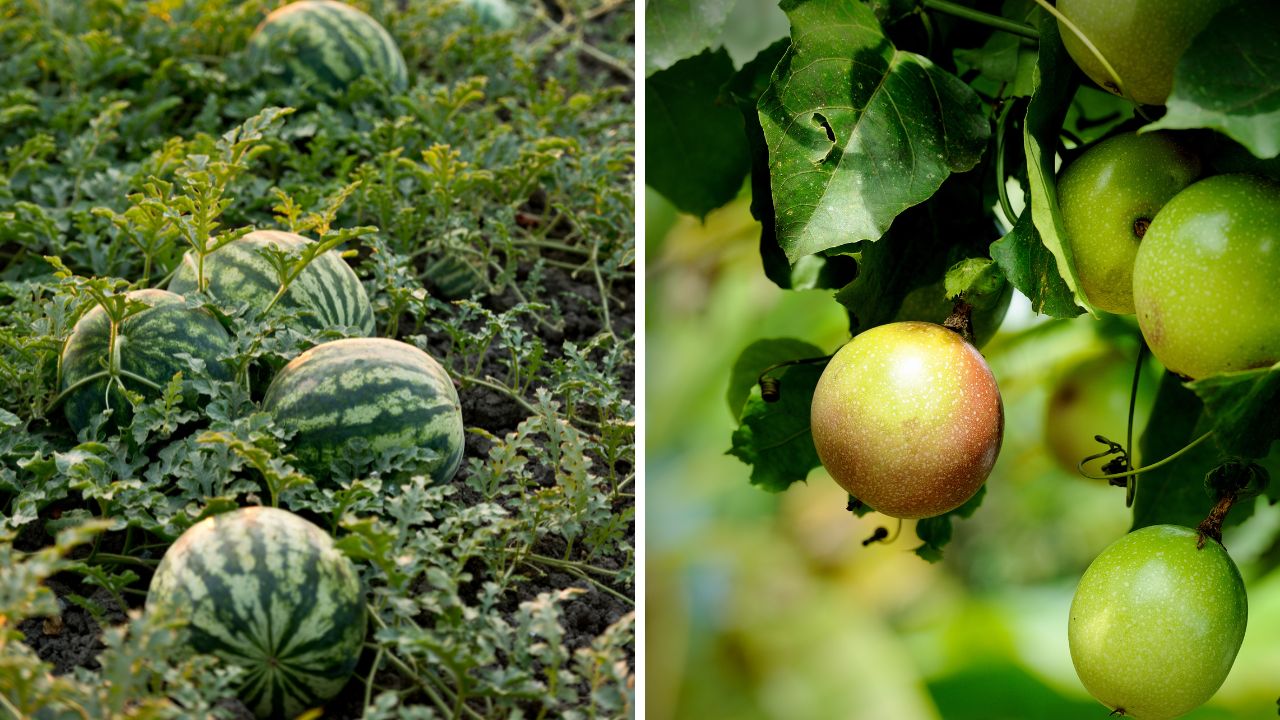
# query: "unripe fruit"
907,417
1142,39
1205,282
1156,623
1108,197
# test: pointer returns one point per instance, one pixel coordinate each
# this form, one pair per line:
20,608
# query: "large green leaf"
1055,81
774,438
698,156
857,130
1229,79
677,29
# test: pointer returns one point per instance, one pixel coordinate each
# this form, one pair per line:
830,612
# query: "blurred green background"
768,606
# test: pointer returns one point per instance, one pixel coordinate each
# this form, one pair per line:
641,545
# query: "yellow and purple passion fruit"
907,418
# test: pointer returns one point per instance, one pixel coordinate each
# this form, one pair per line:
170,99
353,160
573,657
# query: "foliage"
135,133
890,141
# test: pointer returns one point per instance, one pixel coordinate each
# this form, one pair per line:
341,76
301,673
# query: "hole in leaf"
821,121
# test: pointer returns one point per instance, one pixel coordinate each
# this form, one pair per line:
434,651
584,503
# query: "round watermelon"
388,393
266,591
327,44
147,345
327,293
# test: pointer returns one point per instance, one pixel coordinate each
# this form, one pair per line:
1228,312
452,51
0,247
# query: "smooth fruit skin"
1156,623
1108,197
907,418
267,591
327,44
1142,39
1206,281
385,392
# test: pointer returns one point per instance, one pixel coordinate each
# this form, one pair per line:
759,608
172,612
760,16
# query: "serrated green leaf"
857,130
774,438
1229,79
703,158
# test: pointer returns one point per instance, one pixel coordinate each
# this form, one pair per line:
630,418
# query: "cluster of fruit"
907,417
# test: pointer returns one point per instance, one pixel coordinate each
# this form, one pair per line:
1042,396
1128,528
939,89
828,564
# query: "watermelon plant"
268,592
186,228
897,165
384,394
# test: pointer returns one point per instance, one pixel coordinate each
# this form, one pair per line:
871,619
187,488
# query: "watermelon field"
317,359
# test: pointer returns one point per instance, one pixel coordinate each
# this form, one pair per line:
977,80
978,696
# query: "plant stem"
982,18
1153,466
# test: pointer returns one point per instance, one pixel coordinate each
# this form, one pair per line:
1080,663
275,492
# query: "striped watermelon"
389,393
147,344
327,45
266,591
328,291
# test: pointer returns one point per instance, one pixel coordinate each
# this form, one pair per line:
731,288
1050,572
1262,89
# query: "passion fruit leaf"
857,130
1033,269
1055,81
935,532
923,242
677,29
1175,493
1224,83
1006,57
1241,406
755,358
685,113
774,437
975,278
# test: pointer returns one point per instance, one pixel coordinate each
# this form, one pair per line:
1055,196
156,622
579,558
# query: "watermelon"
492,14
327,45
267,591
388,393
147,345
327,292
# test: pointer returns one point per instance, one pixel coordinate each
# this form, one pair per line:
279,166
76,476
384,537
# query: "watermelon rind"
383,392
327,293
327,44
267,591
149,342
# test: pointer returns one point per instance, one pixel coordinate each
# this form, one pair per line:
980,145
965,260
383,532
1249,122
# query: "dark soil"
74,639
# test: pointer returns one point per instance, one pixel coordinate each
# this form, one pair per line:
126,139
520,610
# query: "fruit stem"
961,320
1212,525
1153,466
992,21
